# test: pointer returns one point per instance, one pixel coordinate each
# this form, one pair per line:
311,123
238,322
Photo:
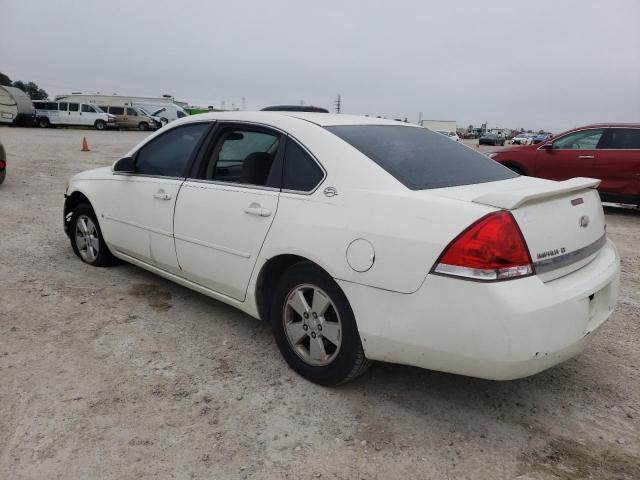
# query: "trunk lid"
562,222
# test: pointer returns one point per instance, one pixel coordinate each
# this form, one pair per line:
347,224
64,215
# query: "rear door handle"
162,195
256,209
586,156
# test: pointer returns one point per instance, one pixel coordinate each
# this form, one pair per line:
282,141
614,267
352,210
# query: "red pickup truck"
610,152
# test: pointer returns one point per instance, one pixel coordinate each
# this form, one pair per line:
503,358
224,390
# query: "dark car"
610,152
295,108
541,137
491,139
3,163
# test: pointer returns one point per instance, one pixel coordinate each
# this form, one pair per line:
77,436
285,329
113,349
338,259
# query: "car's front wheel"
315,328
86,238
100,125
143,126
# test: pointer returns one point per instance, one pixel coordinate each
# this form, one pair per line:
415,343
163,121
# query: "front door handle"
162,195
256,209
586,156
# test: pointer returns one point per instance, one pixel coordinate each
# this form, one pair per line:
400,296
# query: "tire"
100,125
143,126
85,231
43,122
515,169
3,175
337,357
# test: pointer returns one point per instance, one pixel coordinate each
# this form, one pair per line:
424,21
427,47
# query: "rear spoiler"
516,198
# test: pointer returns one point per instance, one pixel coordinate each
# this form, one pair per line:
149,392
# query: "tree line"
30,88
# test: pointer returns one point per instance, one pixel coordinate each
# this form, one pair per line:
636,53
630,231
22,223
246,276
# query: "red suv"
610,152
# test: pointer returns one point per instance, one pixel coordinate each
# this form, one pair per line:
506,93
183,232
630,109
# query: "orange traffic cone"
85,145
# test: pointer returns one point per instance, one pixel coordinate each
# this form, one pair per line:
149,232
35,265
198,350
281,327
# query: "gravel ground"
119,374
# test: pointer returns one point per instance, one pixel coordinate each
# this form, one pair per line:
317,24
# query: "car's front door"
572,155
224,211
88,114
139,207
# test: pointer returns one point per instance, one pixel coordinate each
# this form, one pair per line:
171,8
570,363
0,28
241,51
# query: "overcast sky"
547,64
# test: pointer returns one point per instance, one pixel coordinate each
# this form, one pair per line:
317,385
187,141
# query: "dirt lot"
119,374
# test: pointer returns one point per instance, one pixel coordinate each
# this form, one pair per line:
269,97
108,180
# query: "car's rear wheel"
315,328
100,125
43,122
86,238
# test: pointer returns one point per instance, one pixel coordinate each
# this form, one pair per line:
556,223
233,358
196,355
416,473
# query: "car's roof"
321,119
632,125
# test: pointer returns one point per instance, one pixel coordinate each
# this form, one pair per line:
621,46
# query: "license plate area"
600,306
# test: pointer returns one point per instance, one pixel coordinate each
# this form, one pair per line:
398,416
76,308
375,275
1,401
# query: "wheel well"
269,276
71,202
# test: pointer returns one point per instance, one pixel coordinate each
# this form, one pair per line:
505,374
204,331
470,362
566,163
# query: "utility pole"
244,103
338,103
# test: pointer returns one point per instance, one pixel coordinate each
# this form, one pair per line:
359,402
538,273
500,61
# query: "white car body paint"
405,314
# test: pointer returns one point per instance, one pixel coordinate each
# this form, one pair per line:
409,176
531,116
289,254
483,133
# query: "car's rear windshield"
420,158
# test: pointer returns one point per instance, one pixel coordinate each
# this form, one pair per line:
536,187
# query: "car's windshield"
420,158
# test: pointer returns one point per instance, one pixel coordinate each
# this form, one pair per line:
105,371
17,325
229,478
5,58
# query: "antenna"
338,103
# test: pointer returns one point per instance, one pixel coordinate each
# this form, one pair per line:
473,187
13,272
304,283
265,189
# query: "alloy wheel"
87,240
312,325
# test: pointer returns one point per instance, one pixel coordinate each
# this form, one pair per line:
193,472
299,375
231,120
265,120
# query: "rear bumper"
498,331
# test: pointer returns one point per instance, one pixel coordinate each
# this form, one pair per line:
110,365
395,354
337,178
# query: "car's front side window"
131,112
169,154
88,108
243,156
582,140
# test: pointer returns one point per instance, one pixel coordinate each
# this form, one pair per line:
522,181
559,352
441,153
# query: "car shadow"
619,209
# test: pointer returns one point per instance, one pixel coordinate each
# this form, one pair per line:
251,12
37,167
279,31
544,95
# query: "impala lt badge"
584,221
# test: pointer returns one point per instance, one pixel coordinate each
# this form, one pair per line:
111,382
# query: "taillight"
493,248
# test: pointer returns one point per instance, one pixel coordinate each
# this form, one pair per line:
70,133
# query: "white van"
165,112
72,113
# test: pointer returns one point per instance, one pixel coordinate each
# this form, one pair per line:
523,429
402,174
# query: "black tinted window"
131,112
62,106
301,172
624,138
168,154
421,158
116,110
242,156
74,107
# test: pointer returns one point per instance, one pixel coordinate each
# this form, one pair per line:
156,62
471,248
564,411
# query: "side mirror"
546,146
125,165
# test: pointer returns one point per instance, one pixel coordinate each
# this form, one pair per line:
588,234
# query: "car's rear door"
572,155
138,208
226,208
617,164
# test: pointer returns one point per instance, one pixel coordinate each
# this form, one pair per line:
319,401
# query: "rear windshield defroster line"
420,158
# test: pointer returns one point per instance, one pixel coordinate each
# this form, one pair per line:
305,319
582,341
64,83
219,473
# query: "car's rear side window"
420,158
623,138
301,172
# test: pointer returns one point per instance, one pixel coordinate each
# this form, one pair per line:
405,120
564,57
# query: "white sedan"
358,239
448,133
522,139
